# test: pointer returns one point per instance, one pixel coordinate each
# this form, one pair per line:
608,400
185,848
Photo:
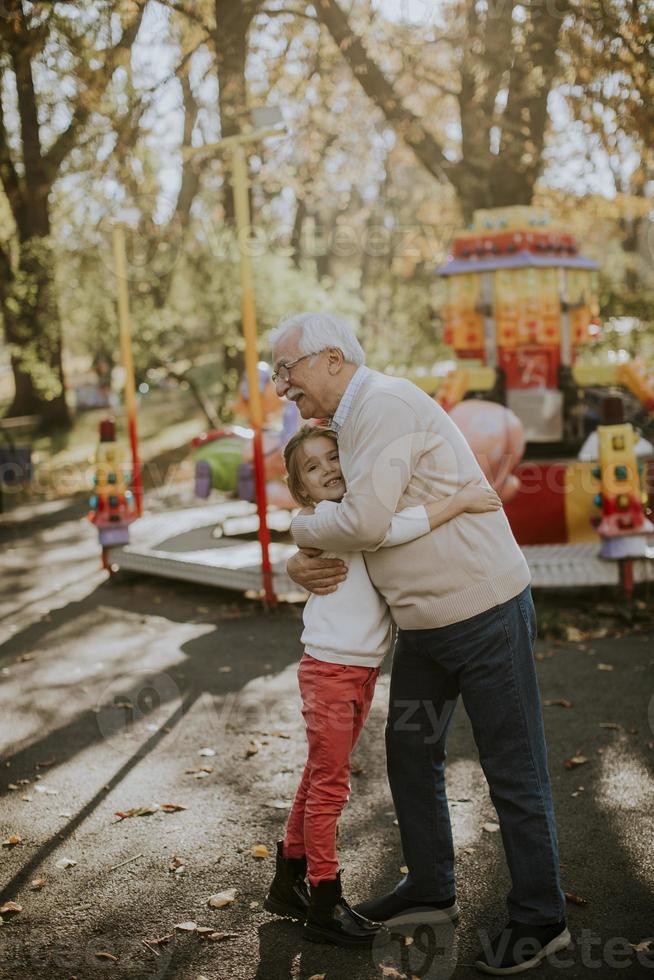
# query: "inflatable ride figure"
497,438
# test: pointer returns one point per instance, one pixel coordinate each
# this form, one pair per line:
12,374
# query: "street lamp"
264,123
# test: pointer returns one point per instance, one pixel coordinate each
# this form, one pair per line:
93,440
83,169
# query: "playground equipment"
520,309
112,505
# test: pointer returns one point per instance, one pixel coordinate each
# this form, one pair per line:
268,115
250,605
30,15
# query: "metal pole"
242,211
120,261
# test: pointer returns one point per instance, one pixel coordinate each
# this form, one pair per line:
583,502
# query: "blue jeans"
488,659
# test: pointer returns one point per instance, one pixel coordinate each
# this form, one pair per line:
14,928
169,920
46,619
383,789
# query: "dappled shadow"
186,681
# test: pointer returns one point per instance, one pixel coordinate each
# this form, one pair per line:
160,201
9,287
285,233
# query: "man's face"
313,383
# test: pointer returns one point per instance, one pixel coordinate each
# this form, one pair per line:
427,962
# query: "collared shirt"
340,416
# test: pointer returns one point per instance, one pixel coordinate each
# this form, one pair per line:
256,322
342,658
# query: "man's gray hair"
318,331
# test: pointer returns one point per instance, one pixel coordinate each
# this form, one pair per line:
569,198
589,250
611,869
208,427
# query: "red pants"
335,703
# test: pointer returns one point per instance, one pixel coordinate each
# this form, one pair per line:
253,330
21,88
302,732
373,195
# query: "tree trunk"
33,334
233,19
27,289
492,58
32,324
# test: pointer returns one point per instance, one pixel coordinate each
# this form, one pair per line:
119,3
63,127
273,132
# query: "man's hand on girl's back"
315,574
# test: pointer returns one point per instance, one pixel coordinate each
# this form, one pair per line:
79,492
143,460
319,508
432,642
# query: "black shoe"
397,911
331,920
288,894
521,946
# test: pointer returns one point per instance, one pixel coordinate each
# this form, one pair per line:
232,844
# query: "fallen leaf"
611,725
161,941
207,752
605,666
560,702
187,926
408,940
259,851
37,884
254,905
221,937
278,734
137,811
404,870
576,760
177,864
10,908
318,976
224,670
357,770
575,899
106,956
12,840
202,610
279,804
65,863
490,827
222,899
146,811
27,799
46,763
46,789
12,786
390,971
65,813
573,634
647,946
252,749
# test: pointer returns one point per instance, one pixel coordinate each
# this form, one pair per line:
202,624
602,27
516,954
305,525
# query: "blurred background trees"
403,118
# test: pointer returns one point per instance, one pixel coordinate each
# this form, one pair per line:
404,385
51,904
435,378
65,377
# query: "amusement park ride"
520,310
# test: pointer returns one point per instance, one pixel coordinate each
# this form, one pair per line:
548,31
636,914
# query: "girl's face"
320,469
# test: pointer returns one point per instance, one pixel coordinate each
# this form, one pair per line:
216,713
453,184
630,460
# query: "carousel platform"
215,544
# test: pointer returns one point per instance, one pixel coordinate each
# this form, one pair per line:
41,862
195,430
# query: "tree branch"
11,182
90,99
382,92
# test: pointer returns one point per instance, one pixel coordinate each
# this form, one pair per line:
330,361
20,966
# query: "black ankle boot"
331,920
288,894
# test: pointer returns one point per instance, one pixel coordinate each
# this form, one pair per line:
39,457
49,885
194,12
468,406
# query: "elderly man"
460,597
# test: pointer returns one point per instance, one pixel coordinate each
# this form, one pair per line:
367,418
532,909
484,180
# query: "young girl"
346,636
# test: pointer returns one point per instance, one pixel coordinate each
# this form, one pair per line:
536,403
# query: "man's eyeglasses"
283,371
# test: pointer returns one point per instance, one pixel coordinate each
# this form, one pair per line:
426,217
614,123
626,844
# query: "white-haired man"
460,597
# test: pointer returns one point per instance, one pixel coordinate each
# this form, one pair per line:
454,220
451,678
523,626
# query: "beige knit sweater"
398,448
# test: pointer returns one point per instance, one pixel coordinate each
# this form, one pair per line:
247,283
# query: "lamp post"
236,146
120,262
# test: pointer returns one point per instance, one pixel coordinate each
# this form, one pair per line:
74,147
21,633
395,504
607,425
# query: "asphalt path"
111,691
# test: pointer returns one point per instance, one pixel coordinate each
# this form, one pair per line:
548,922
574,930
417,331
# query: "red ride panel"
537,512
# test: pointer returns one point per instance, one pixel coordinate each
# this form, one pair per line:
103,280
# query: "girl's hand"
475,498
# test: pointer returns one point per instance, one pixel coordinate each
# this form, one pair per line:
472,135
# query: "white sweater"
353,625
